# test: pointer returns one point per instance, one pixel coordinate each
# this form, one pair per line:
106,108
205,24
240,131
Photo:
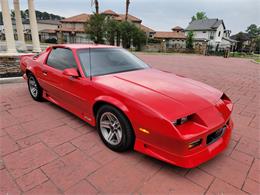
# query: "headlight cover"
180,121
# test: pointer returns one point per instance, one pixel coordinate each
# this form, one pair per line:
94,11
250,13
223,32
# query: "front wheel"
34,88
114,129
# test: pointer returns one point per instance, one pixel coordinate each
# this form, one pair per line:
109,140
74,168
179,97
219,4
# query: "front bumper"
195,157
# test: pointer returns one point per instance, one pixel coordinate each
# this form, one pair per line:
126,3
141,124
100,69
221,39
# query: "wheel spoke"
34,91
117,136
105,124
110,135
110,118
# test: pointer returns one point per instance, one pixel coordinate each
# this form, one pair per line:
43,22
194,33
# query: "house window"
211,35
219,33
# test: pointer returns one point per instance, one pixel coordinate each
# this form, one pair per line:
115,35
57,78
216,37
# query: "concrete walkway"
46,150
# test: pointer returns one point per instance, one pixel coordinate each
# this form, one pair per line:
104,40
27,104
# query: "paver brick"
89,143
7,185
251,187
242,157
133,172
254,172
7,145
221,187
28,141
166,181
83,187
200,177
65,149
28,159
57,136
32,179
70,169
47,188
227,169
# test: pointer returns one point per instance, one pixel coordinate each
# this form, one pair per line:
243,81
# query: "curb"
11,80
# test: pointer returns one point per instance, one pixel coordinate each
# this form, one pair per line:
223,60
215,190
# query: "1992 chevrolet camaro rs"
172,118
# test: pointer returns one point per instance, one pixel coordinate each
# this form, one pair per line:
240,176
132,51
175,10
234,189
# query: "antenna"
90,69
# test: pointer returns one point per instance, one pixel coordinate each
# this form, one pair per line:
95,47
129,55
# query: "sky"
162,15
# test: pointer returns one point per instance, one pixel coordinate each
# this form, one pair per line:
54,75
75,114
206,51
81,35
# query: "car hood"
171,95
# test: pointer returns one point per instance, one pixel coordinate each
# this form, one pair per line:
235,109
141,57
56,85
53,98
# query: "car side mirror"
72,72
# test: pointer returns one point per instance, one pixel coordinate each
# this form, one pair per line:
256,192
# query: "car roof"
84,46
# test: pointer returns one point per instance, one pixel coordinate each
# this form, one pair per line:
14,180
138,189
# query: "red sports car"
169,117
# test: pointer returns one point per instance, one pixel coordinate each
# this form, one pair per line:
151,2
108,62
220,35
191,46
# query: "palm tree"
96,5
127,8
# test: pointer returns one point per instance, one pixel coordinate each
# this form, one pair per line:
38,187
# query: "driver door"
69,92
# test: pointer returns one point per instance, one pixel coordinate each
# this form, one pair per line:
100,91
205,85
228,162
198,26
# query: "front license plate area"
213,137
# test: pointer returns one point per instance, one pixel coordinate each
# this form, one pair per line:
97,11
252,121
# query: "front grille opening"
215,135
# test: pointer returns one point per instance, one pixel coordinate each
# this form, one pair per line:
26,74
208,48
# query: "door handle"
44,72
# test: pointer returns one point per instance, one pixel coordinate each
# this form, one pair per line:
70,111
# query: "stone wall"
10,66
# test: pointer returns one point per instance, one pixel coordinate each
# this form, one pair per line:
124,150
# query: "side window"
61,58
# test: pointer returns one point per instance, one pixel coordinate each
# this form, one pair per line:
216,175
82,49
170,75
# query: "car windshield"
108,61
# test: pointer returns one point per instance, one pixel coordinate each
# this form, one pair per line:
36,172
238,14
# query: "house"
46,29
72,29
172,40
211,32
243,41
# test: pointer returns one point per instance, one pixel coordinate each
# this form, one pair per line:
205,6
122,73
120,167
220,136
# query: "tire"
34,88
119,123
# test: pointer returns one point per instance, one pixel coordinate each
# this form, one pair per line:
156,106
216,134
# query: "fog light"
195,143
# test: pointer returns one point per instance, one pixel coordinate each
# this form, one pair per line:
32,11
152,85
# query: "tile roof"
169,35
85,17
146,29
177,28
47,31
205,24
54,22
63,29
77,18
110,12
121,17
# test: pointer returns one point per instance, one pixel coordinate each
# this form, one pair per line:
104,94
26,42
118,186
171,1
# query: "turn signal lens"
144,130
194,144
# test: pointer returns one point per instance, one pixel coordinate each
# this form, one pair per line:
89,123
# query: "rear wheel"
114,129
34,87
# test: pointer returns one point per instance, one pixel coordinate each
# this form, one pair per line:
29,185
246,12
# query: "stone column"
34,27
19,24
9,32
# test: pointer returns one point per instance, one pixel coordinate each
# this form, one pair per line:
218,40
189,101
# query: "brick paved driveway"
46,150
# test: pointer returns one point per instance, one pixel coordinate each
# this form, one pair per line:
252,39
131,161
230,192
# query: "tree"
126,30
189,41
126,9
112,31
199,16
253,30
96,6
96,27
241,38
254,35
131,33
139,38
